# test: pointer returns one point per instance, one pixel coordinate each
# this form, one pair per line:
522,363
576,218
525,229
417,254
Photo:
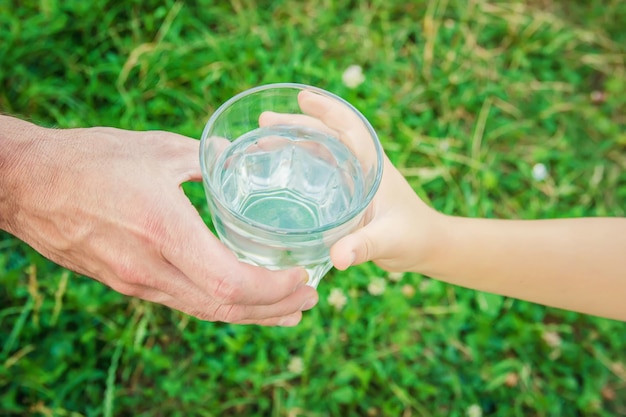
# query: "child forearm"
576,264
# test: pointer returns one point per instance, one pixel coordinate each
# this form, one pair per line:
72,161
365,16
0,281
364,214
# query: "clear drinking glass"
288,170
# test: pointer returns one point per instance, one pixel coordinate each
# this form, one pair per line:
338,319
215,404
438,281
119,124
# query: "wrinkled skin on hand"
107,203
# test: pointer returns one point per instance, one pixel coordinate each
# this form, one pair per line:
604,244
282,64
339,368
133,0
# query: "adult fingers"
200,256
163,283
284,321
186,243
186,297
302,299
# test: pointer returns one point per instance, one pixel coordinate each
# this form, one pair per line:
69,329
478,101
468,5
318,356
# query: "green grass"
467,96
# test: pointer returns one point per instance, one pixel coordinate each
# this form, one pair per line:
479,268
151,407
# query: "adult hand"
107,204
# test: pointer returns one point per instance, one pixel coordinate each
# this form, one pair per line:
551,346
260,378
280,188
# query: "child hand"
397,231
397,226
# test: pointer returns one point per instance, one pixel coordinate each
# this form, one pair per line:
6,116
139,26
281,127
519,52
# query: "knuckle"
227,290
203,315
127,289
131,274
228,314
154,230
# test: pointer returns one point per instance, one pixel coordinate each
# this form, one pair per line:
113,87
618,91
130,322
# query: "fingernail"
288,321
308,304
304,278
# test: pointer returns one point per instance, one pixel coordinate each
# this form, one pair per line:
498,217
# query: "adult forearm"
576,264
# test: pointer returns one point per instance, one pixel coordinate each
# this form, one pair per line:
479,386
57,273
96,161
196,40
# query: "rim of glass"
294,86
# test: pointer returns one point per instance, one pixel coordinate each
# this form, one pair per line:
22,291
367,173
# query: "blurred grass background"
469,99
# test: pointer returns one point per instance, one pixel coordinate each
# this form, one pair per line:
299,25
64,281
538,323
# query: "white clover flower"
597,97
540,172
511,379
337,299
619,369
474,410
376,286
552,339
395,276
296,365
353,76
408,290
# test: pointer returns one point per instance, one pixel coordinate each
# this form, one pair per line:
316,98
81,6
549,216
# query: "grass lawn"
474,100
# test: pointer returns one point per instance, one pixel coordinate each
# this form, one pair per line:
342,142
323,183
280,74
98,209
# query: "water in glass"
286,179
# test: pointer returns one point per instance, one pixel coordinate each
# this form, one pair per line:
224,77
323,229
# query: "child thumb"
356,248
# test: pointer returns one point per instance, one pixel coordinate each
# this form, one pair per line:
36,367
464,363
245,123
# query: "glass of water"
288,170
